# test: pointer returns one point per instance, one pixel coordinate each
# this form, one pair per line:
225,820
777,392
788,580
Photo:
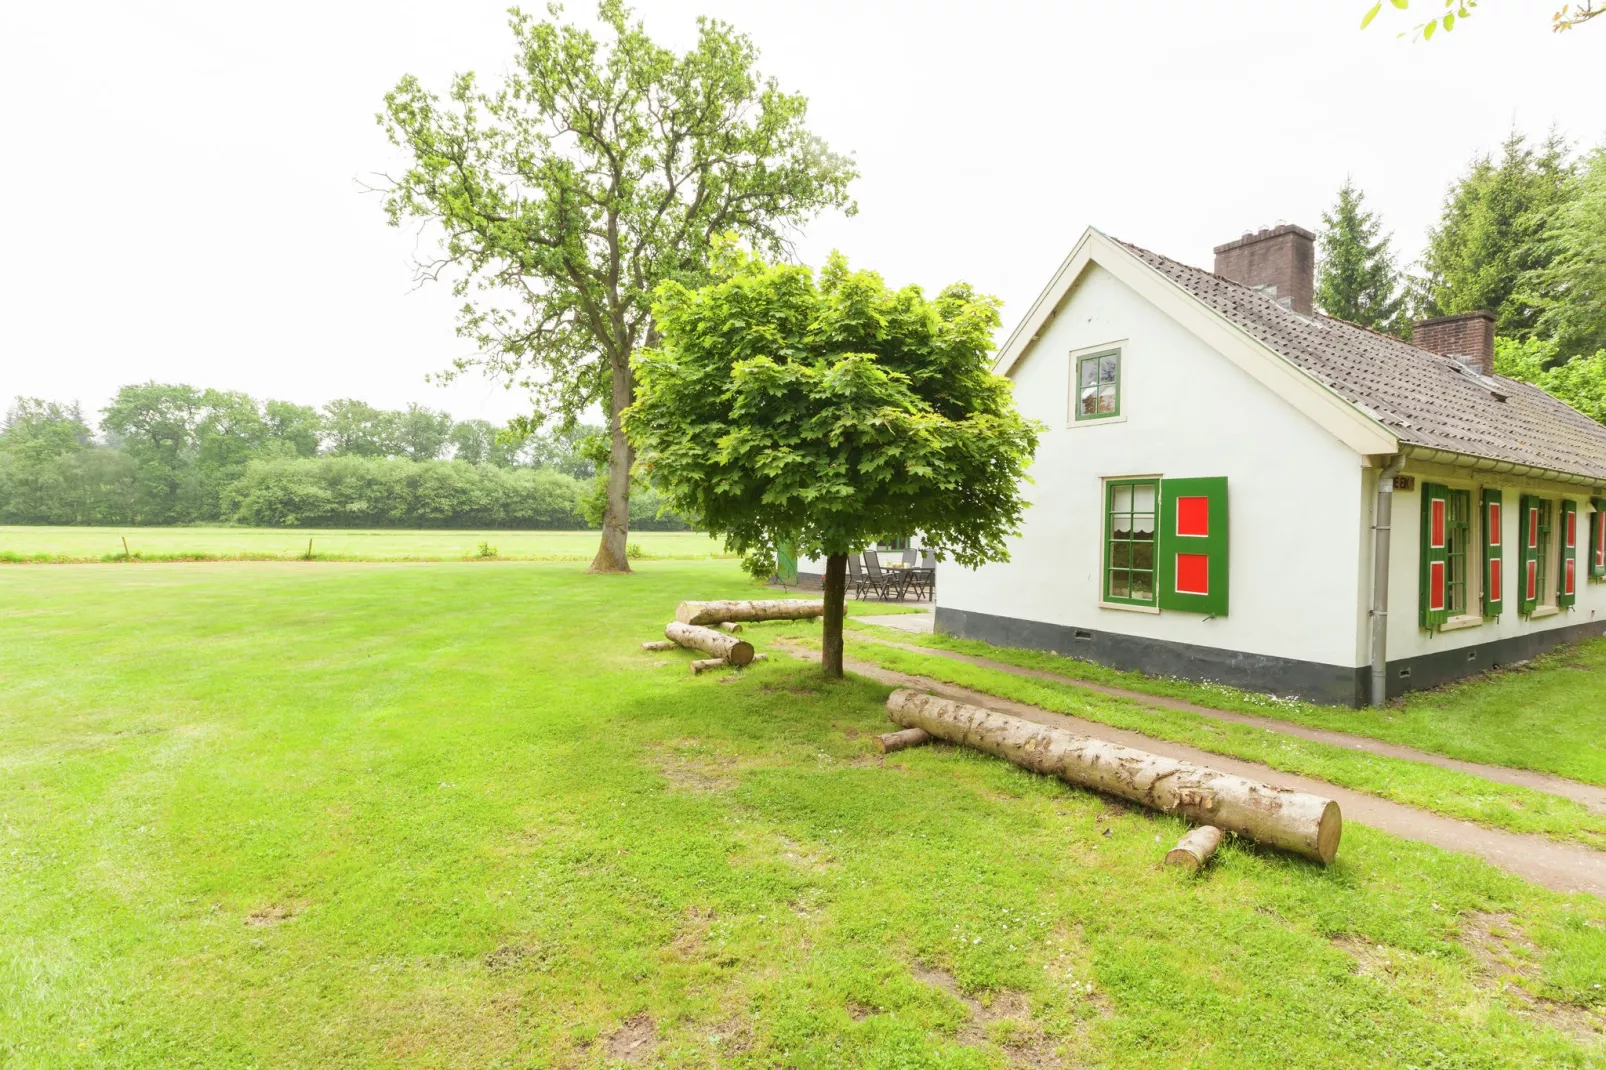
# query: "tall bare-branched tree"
600,167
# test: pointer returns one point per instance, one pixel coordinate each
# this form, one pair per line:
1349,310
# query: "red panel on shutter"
1533,581
1193,516
1193,573
1600,548
1494,579
1572,575
1436,586
1494,523
1436,536
1572,528
1533,531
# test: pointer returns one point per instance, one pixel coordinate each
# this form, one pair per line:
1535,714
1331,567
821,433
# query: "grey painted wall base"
1342,685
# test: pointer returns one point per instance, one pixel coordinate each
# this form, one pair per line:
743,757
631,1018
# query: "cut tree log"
764,609
728,626
1195,849
734,650
703,665
909,737
1304,824
660,644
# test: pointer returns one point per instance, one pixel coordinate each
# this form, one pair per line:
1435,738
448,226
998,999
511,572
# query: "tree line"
174,454
1521,234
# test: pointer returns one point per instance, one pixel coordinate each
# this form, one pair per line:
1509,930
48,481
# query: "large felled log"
765,609
734,650
1307,825
1195,849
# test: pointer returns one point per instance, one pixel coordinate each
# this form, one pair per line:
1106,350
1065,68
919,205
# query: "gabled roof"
1404,393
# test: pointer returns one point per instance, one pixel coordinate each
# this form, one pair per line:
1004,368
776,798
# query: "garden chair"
860,581
923,577
885,581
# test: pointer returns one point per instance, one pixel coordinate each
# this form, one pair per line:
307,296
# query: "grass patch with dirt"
448,815
1547,715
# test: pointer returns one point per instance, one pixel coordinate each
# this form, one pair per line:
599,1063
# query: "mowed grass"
58,544
450,815
1549,715
1414,783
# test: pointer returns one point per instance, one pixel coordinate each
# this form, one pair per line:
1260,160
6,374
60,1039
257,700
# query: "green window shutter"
1567,538
1528,521
1435,567
1597,539
1494,554
1193,545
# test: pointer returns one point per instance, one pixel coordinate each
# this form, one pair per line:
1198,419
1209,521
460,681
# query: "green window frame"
1567,560
1597,539
1131,515
1457,552
1098,385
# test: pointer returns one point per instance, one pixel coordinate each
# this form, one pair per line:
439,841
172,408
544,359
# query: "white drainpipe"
1382,517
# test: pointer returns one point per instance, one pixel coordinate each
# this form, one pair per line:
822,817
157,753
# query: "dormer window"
1098,385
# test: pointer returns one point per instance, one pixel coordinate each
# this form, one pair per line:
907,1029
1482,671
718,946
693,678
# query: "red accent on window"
1600,539
1494,523
1193,573
1533,581
1572,528
1533,529
1193,516
1436,585
1436,538
1494,580
1572,574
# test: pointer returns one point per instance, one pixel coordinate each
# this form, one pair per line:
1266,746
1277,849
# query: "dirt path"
1563,867
1590,796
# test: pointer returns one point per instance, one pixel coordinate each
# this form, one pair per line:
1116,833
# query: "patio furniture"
888,580
908,559
862,582
922,578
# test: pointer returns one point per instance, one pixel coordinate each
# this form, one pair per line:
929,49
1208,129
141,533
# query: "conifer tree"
1356,279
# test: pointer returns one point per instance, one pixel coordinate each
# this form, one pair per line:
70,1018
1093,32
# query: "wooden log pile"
1304,824
764,609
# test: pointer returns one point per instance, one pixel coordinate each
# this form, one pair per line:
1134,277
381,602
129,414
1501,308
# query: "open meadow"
68,544
450,815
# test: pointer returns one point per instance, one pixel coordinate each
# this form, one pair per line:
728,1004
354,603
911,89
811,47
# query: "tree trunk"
734,650
896,741
1304,824
836,592
1195,849
612,553
713,613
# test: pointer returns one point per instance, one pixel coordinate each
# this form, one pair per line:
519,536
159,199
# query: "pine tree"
1491,235
1356,279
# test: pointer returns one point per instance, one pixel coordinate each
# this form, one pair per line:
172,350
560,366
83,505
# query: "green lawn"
451,815
1549,715
95,544
1445,791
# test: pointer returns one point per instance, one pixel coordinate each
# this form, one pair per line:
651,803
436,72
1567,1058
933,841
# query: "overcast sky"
182,182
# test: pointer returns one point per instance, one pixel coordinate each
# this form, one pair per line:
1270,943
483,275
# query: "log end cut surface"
1329,832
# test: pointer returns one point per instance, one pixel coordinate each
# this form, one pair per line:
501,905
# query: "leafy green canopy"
1357,280
831,412
1490,244
1580,381
1570,291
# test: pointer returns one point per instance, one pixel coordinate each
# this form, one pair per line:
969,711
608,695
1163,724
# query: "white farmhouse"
1235,488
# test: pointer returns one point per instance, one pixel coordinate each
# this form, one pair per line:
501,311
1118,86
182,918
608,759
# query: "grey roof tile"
1421,397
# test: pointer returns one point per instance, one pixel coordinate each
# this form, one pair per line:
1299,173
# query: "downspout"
1382,517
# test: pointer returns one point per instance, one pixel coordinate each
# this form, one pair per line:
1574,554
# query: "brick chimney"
1467,336
1280,261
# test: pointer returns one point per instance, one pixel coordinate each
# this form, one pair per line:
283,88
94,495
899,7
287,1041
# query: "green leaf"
1401,4
1372,14
1449,23
1427,31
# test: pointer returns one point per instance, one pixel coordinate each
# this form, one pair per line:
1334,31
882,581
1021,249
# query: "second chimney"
1467,336
1280,261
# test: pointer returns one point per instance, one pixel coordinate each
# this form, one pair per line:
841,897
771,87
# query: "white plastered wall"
1295,491
1407,639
